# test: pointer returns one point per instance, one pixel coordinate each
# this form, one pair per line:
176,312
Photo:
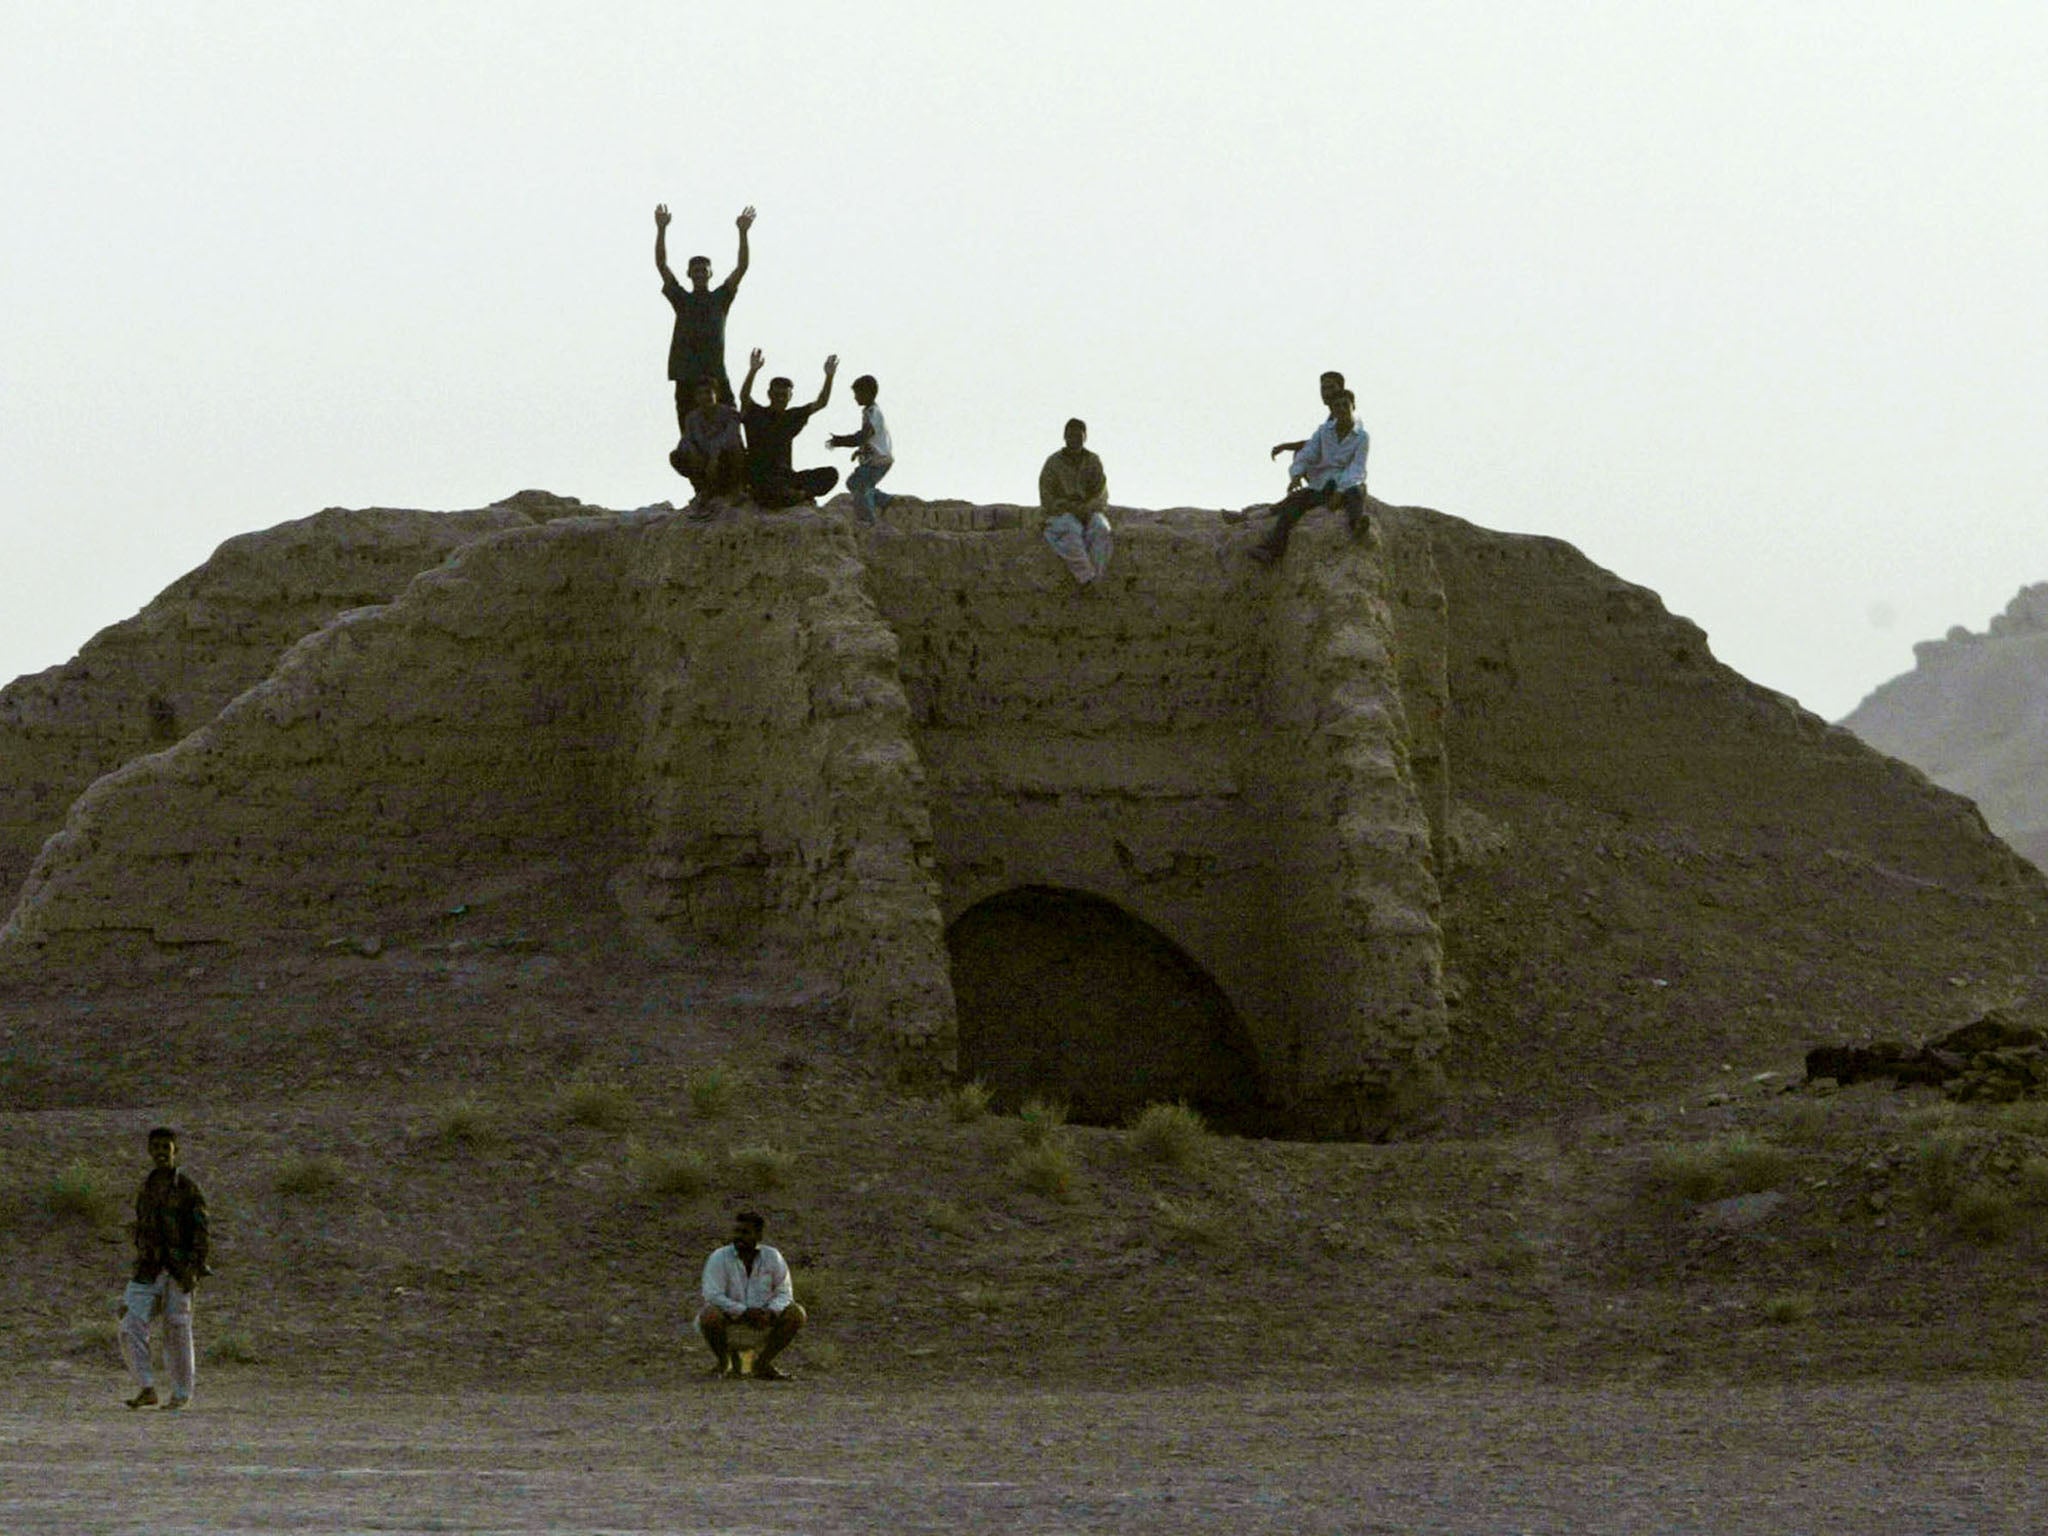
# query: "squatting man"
170,1256
746,1283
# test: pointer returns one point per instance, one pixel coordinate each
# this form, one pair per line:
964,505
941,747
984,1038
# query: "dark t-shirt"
170,1225
696,350
769,437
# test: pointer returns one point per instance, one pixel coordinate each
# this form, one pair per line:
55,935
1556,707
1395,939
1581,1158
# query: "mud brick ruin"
1181,838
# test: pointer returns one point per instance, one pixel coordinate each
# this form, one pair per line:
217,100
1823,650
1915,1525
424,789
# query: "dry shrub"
762,1168
2029,1117
1787,1307
310,1178
968,1102
2034,1181
820,1290
1986,1215
1045,1168
669,1175
1939,1169
1040,1120
1197,1226
1700,1172
598,1106
232,1348
1172,1134
465,1123
944,1216
1929,1117
81,1193
713,1091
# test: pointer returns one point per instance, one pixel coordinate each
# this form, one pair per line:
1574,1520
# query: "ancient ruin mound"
1298,846
1973,716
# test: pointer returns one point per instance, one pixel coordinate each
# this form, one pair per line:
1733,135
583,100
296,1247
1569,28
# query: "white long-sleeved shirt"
1326,457
728,1286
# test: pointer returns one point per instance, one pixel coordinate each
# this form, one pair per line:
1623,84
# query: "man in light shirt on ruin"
1327,471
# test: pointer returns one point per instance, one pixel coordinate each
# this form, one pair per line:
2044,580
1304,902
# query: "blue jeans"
861,485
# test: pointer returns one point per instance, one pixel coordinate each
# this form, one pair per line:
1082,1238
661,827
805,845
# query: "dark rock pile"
1993,1057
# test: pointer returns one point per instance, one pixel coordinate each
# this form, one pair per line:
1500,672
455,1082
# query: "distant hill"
1973,716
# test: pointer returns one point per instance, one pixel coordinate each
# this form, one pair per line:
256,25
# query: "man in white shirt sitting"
746,1283
1329,470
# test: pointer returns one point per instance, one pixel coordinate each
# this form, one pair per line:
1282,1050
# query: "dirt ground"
1458,1456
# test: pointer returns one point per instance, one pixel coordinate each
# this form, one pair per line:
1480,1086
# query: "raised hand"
756,360
661,215
831,365
746,218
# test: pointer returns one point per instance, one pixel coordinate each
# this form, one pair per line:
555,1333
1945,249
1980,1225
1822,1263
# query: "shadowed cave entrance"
1066,995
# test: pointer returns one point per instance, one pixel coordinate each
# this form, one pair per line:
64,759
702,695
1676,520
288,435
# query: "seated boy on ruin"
1073,492
710,454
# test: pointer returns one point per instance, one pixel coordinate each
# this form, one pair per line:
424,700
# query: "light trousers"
140,1303
1085,550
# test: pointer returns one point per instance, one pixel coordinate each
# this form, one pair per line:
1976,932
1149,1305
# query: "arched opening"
1066,995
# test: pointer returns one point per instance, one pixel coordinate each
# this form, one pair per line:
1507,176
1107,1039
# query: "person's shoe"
765,1370
727,1366
176,1403
146,1398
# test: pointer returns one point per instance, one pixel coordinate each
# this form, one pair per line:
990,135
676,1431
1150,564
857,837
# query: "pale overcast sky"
1747,301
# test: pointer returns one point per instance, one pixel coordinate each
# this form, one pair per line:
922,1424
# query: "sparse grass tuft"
98,1336
1788,1307
822,1354
1045,1168
2034,1181
232,1348
1929,1117
968,1102
1040,1120
467,1124
1940,1172
599,1106
81,1193
1986,1216
1172,1134
944,1216
669,1175
1513,1254
2029,1117
1807,1124
819,1290
1697,1173
713,1091
761,1168
982,1298
310,1178
1754,1166
1197,1226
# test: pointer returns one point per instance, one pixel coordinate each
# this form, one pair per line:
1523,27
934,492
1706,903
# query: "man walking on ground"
1332,384
771,432
711,455
1328,470
747,1283
873,454
1072,491
696,348
170,1256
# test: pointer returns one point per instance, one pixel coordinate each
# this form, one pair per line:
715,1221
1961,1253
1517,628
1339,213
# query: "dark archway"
1066,995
